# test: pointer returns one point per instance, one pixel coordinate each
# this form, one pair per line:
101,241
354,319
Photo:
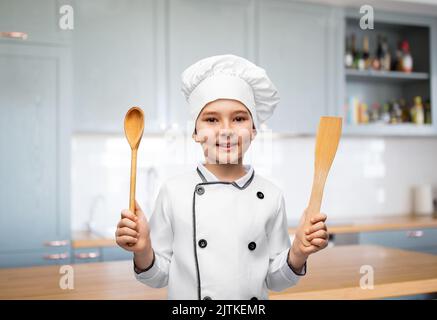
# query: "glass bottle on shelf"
397,61
361,63
406,115
428,118
417,112
376,63
363,116
375,112
348,57
359,59
386,57
407,59
396,112
385,116
354,52
366,56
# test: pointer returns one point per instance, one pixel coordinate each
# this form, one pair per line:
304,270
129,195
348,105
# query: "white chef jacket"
219,240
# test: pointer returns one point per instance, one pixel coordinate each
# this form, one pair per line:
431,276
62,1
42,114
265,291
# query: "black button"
260,195
202,243
207,298
254,298
252,246
200,190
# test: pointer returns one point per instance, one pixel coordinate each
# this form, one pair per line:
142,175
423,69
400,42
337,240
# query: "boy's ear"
196,137
254,132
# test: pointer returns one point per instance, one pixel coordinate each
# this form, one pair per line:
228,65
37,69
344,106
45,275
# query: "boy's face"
225,130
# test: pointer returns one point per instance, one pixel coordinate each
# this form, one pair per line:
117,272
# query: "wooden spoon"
328,136
133,129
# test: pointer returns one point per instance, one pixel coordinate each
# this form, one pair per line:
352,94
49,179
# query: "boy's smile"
225,130
226,146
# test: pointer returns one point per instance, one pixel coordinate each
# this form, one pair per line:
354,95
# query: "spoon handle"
133,175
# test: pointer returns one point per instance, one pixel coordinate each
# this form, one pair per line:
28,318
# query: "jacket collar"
241,182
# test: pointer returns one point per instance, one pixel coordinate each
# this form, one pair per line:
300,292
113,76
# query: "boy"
220,232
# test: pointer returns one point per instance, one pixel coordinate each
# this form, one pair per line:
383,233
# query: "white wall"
370,177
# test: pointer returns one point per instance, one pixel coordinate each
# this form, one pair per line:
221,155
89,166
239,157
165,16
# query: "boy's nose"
225,131
225,128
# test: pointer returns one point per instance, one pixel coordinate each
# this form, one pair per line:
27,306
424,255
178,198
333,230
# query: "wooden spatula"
133,129
328,136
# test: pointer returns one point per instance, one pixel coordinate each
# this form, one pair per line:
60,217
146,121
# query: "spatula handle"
133,175
315,201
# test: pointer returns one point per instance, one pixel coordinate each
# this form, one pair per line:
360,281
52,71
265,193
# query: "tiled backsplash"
369,177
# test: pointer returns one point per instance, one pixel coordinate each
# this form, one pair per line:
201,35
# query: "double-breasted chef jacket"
219,240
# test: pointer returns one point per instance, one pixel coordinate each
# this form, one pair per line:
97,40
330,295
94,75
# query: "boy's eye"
211,119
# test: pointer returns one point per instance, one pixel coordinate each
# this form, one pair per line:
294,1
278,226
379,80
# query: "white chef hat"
229,77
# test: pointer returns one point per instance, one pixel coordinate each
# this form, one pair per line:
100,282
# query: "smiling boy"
220,231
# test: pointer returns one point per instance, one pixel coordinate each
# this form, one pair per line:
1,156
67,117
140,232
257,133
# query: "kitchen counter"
333,273
85,239
377,224
89,240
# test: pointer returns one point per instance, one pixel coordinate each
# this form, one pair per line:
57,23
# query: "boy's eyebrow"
209,113
241,111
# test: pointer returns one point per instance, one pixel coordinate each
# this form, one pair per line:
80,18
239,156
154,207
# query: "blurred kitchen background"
69,71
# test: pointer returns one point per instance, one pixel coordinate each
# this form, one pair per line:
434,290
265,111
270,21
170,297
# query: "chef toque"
229,77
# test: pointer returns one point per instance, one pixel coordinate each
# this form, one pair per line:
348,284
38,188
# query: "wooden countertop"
85,239
377,224
333,273
89,240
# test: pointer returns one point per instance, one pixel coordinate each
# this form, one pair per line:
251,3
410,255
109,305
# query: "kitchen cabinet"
294,42
116,53
297,45
100,254
146,45
39,19
115,254
373,88
87,255
422,240
214,28
47,256
35,162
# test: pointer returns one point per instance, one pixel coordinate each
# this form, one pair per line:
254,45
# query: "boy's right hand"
133,233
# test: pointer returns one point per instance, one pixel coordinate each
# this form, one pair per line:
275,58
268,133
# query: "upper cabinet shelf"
369,75
397,130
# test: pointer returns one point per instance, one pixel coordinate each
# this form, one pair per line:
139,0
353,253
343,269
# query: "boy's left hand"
316,234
